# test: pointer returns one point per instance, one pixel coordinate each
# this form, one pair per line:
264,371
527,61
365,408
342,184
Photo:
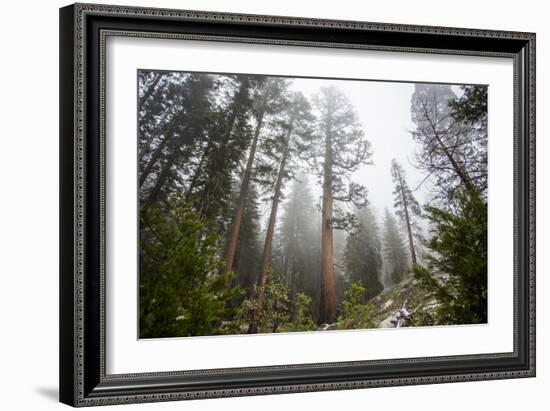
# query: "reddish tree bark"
328,276
237,218
268,245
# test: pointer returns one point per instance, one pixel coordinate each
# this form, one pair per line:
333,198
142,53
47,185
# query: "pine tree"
394,249
181,291
471,108
456,274
456,151
362,255
407,208
182,111
344,150
219,154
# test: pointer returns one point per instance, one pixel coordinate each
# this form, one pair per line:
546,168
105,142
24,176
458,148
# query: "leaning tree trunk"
268,245
407,221
328,276
237,218
462,174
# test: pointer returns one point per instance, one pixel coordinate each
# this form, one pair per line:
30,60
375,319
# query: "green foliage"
225,139
472,105
173,123
422,318
279,313
182,292
355,314
194,133
301,319
456,275
362,254
395,249
248,252
340,141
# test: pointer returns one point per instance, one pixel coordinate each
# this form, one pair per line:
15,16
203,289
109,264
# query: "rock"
387,322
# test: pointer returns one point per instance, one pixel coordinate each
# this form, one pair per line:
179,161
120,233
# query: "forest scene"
275,204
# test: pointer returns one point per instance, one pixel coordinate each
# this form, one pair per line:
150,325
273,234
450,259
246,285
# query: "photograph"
279,204
290,201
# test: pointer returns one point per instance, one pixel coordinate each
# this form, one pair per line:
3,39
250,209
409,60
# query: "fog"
383,109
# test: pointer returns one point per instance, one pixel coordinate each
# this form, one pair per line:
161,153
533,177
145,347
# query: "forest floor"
391,300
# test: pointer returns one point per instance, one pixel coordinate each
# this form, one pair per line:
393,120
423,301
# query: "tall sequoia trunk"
237,218
328,277
268,245
407,221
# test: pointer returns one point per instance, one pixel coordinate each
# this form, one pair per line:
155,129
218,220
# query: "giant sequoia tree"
344,149
252,219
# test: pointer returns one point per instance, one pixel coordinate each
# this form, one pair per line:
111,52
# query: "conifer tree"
219,154
294,124
269,98
248,253
407,208
451,150
344,149
456,272
167,139
394,249
362,255
181,291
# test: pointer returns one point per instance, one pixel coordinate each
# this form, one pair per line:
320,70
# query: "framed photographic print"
262,204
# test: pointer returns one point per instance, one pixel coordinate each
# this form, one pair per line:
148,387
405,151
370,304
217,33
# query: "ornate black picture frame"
83,31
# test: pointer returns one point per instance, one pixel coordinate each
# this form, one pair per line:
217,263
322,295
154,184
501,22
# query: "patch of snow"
387,322
387,304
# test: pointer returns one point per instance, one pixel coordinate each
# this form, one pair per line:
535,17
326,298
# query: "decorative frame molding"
83,32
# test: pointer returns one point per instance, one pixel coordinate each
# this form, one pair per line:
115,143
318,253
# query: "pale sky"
383,109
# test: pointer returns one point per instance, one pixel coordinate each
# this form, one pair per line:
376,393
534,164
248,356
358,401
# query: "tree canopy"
255,217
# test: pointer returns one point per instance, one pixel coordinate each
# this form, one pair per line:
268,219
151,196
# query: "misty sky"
383,109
